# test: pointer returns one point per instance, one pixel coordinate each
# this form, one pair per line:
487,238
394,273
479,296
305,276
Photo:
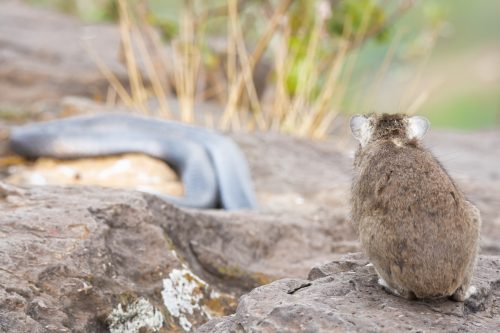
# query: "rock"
86,259
239,251
43,55
89,260
132,171
345,297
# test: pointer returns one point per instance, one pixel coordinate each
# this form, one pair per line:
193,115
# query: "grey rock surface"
44,56
74,258
343,296
92,260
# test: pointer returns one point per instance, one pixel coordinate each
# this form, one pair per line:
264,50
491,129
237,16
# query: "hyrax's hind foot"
461,294
402,293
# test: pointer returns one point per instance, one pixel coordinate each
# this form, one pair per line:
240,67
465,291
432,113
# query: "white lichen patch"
182,293
139,314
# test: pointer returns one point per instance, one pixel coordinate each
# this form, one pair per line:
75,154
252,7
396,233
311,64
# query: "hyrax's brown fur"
417,228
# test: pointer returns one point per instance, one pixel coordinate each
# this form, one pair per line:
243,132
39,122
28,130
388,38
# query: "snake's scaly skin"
212,168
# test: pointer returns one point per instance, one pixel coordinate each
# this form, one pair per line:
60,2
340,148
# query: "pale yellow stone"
131,171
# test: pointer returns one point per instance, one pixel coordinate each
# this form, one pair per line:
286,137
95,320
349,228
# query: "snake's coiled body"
212,168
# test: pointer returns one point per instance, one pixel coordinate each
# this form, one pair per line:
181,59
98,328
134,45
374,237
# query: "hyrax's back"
414,224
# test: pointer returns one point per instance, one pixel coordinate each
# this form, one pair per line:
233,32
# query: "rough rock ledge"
343,296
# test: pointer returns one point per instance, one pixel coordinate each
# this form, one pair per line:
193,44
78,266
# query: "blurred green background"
438,58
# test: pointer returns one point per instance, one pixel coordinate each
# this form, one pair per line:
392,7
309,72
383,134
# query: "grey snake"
212,168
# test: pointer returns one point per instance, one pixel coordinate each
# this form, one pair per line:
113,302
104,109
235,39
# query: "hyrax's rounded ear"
359,126
417,127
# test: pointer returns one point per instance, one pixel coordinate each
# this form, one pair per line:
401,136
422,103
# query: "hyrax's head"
397,127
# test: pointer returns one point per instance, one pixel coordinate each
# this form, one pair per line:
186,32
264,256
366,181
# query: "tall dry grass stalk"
307,110
134,47
242,78
186,62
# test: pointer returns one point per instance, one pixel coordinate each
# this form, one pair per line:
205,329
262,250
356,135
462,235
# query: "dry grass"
306,111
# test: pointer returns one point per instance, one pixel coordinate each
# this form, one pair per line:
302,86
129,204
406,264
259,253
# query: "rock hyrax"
416,227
